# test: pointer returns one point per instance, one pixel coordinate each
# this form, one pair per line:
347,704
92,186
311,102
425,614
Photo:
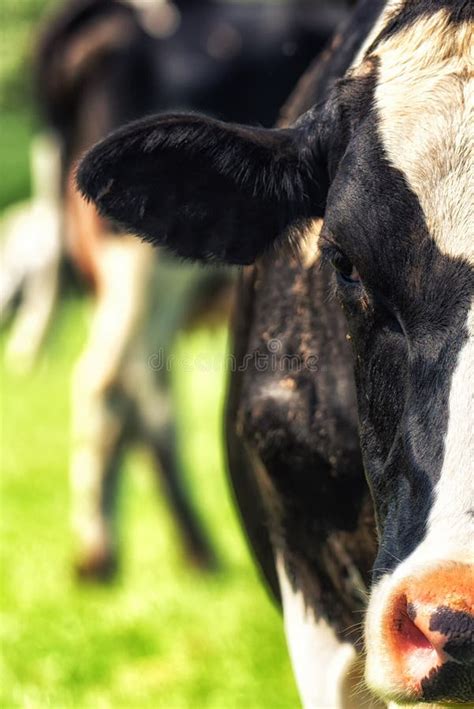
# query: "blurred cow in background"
100,64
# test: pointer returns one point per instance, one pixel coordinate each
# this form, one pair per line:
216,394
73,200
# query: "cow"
100,64
354,224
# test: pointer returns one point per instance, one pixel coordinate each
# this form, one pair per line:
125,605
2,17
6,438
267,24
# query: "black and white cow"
383,154
100,64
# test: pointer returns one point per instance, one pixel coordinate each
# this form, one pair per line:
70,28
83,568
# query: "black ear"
206,189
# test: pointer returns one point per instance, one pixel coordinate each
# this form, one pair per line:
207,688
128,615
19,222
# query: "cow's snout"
425,637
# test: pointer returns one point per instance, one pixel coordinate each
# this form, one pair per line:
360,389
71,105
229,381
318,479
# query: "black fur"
305,439
205,189
451,683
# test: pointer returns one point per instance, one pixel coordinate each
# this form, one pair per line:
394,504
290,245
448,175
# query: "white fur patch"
425,102
450,532
320,661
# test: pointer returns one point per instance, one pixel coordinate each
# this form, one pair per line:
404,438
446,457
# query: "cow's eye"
345,269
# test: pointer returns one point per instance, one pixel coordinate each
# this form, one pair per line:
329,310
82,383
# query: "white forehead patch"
425,103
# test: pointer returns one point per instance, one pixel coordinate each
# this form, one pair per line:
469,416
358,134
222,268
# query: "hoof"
97,568
203,560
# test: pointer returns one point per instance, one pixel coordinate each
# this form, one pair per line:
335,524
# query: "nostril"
411,637
416,651
425,637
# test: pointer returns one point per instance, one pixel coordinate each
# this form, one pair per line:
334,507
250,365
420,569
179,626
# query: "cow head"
388,161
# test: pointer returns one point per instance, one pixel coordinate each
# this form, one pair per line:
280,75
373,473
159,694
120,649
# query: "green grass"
19,24
162,635
15,134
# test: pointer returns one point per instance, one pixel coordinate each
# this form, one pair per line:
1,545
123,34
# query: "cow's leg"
99,409
328,672
40,294
155,416
39,236
97,446
170,478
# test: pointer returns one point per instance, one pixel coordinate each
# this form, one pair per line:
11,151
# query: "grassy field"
163,635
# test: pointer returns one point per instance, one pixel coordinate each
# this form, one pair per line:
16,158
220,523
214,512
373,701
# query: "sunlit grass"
162,635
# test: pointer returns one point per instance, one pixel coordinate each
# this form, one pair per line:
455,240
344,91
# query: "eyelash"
332,254
329,254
